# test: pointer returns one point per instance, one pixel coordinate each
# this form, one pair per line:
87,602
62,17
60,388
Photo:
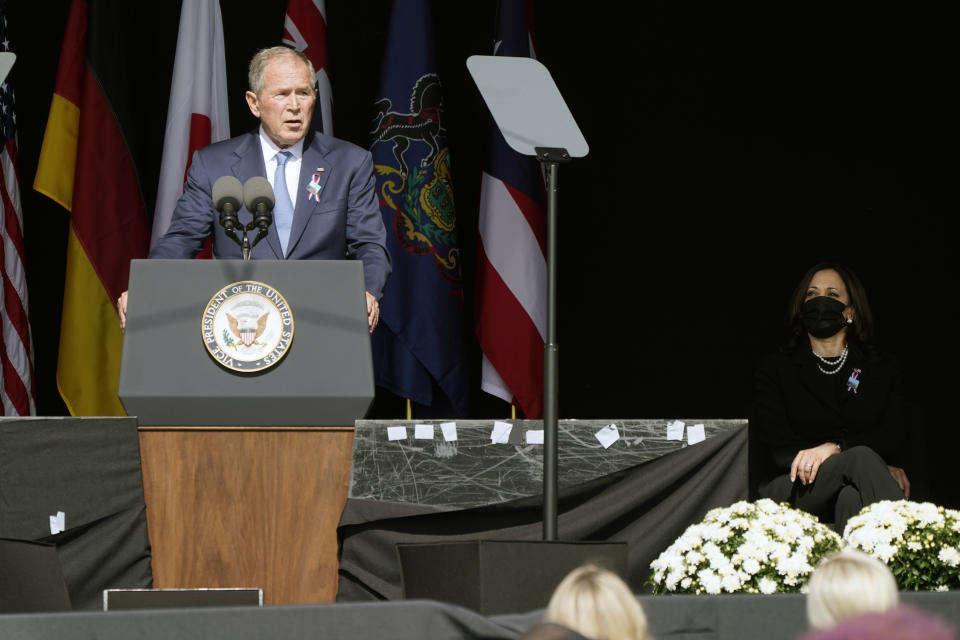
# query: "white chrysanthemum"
794,530
672,579
713,552
689,540
943,587
883,509
949,556
731,582
710,581
721,564
751,566
793,566
766,585
779,551
885,552
716,533
721,517
741,508
927,513
751,553
865,537
686,582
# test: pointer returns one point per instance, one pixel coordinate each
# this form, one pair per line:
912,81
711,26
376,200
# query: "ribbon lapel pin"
313,189
853,382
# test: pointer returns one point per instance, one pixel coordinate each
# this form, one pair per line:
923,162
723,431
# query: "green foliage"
918,541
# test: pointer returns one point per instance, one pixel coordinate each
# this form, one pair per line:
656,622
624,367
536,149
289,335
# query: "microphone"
227,194
258,198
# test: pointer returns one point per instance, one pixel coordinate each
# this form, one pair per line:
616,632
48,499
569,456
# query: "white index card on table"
675,430
608,435
501,432
58,523
695,434
535,436
396,433
423,432
449,430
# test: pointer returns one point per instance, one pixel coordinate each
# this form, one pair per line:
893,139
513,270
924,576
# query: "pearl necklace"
836,363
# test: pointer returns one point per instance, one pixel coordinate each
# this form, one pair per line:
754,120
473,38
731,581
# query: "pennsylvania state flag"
418,348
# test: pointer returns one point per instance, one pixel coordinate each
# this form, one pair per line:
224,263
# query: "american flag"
16,353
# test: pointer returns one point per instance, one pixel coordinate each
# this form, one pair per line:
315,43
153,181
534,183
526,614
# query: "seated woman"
848,584
828,407
598,604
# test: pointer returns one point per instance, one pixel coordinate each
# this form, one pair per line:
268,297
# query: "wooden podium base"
246,507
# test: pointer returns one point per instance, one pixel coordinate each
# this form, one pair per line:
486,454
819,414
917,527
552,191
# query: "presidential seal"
247,326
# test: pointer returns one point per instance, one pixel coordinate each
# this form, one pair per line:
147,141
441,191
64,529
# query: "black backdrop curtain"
731,146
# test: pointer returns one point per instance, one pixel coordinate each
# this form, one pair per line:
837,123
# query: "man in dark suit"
324,187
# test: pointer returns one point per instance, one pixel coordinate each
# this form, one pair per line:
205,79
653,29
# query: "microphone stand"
245,245
260,221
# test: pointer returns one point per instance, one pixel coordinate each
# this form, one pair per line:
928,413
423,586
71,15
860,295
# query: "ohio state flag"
305,29
511,304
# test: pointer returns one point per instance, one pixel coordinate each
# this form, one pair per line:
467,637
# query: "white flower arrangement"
919,541
748,547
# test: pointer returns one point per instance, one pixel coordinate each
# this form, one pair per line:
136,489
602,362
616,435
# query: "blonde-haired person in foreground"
596,603
847,584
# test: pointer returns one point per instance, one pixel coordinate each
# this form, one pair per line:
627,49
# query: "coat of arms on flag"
418,186
418,349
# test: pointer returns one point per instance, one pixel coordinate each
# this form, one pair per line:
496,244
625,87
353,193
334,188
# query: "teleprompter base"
491,576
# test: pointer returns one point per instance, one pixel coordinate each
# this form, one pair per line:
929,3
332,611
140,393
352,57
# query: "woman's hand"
807,462
901,477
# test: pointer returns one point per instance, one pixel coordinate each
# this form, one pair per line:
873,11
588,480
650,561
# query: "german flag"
86,165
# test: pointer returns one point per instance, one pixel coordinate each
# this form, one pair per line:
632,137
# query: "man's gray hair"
258,65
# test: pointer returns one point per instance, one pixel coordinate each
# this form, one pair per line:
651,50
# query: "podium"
167,377
245,473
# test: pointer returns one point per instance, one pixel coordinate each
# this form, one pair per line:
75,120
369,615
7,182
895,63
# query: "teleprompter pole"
551,159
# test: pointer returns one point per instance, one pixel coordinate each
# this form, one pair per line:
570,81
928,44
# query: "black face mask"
822,317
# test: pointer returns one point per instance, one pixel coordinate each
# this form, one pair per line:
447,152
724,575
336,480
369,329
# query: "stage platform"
738,617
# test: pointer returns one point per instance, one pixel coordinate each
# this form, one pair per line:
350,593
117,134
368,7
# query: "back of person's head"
551,631
847,584
899,623
597,603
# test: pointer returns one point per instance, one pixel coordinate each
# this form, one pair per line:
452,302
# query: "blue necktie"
282,208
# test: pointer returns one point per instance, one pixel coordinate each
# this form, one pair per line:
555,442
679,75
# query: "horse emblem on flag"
421,198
